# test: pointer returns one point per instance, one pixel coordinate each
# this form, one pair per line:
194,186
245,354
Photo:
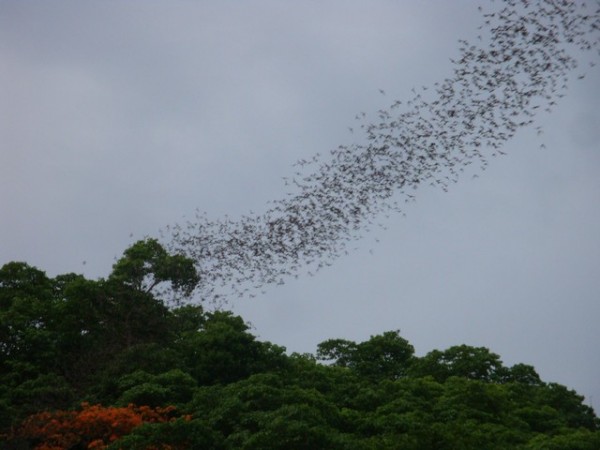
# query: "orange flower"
94,426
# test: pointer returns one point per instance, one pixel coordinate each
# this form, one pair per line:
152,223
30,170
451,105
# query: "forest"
126,363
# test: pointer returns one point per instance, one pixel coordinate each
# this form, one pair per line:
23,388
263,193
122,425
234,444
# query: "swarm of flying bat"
519,66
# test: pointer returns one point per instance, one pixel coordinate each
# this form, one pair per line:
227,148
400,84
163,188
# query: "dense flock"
520,65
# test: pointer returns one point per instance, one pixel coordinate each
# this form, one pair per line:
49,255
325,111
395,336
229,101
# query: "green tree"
385,356
580,439
58,336
265,411
174,387
523,374
26,317
101,319
146,264
223,351
180,434
476,363
68,340
20,280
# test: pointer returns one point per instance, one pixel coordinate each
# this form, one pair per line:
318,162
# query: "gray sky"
119,118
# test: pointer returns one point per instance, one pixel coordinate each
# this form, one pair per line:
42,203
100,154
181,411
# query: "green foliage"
178,434
169,388
382,356
26,317
265,411
581,439
18,280
340,351
146,264
475,363
67,340
222,350
523,374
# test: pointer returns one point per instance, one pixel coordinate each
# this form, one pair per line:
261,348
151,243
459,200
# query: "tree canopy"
109,363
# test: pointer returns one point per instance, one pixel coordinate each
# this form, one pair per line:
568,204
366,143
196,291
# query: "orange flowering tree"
92,427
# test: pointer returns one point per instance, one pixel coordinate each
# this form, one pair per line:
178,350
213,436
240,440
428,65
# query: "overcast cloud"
119,118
